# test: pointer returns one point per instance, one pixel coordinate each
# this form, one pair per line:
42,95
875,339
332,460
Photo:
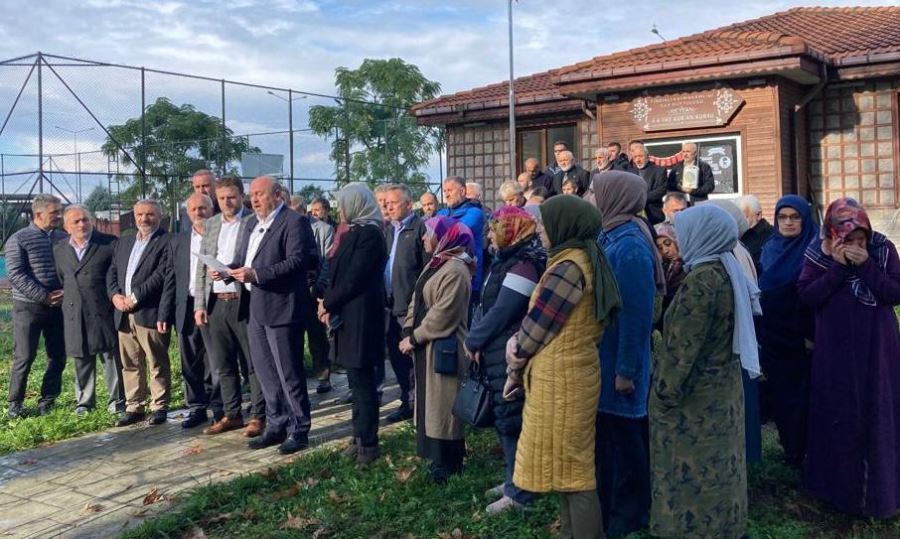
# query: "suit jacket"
582,180
209,245
281,261
153,282
409,260
655,176
356,294
180,244
87,311
705,185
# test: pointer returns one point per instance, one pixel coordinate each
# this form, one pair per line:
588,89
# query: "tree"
99,200
310,192
179,141
376,139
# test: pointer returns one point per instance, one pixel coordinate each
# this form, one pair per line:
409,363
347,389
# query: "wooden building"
803,101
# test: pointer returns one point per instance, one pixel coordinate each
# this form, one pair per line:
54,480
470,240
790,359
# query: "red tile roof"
838,36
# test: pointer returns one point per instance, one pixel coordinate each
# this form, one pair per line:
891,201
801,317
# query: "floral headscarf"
454,241
844,216
512,225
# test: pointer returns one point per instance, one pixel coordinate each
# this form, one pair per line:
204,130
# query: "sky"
298,44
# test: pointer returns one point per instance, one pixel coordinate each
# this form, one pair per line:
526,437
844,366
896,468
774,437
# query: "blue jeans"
523,497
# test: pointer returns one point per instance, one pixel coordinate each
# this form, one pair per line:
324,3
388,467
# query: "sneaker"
158,417
194,419
45,407
503,504
323,387
402,413
494,492
130,418
16,410
82,411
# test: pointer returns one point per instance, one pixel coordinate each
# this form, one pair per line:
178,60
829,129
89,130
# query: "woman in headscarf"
553,357
852,279
672,263
519,261
355,294
743,256
699,470
434,332
623,463
786,327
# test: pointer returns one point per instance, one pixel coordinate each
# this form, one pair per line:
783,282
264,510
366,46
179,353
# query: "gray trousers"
86,381
579,515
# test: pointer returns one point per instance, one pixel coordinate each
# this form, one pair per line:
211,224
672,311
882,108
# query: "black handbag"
473,403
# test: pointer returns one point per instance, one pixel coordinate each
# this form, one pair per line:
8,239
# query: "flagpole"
512,101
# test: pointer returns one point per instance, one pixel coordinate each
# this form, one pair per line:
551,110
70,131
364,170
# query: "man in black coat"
655,177
568,170
406,258
760,229
82,264
706,182
141,285
617,159
538,178
201,385
275,249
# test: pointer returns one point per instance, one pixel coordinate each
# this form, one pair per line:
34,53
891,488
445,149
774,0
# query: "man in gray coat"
37,295
82,264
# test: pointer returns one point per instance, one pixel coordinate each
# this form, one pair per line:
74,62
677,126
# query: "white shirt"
196,238
140,245
225,247
256,237
79,251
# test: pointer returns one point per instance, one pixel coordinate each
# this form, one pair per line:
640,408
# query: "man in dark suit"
406,258
201,385
82,264
655,177
706,183
569,170
202,182
141,285
275,246
617,159
223,305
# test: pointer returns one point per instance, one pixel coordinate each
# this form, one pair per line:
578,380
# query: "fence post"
291,137
143,137
40,92
222,148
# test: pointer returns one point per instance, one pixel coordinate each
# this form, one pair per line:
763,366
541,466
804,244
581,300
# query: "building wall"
756,121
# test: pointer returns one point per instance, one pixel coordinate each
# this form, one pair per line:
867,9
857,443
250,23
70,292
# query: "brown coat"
446,298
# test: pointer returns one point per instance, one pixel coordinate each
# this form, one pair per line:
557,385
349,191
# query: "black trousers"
30,321
318,343
277,356
228,342
201,383
86,380
401,363
622,459
365,405
786,391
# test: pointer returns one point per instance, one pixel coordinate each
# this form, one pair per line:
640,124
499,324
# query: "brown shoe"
224,425
254,428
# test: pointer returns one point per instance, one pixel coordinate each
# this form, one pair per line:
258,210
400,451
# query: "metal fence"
59,134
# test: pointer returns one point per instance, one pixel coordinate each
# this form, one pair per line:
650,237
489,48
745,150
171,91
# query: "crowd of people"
633,335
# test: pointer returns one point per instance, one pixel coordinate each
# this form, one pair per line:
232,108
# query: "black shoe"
16,410
268,439
158,417
45,407
323,387
130,418
295,442
402,413
194,419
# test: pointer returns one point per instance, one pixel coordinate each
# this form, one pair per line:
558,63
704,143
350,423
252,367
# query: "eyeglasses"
789,217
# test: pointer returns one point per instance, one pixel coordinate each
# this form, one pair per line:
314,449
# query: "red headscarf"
455,241
843,216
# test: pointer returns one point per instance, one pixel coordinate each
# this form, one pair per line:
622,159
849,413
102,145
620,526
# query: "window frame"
739,157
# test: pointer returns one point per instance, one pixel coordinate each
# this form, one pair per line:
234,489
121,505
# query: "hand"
856,255
321,309
55,298
243,275
687,190
215,275
201,318
625,386
162,327
406,346
511,390
121,303
325,319
512,360
838,253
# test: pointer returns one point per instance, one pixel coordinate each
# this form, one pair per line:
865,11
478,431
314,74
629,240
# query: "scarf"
359,206
621,196
455,242
511,225
707,234
844,216
782,258
674,268
572,223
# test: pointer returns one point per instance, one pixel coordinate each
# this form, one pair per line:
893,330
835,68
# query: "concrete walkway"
100,484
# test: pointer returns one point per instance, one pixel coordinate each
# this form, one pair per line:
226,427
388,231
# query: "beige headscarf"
359,205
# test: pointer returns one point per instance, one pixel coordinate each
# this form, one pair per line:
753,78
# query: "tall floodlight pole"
75,133
512,100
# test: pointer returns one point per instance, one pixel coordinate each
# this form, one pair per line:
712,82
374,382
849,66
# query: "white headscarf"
359,205
707,233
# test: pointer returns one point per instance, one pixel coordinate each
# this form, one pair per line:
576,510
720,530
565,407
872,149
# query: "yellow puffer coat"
562,388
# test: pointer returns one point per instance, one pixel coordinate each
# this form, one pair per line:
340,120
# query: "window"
538,143
721,153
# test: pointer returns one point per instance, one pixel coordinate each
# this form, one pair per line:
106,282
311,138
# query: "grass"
324,495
